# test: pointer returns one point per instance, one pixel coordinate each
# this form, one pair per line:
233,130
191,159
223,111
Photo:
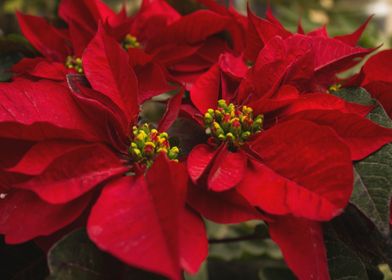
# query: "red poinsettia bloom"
186,46
162,44
61,48
62,147
288,155
375,79
319,57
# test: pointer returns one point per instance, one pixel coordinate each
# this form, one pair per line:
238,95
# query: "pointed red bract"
204,92
361,135
302,245
106,67
41,110
38,217
74,173
85,13
172,111
192,28
375,78
294,163
227,207
198,161
134,216
193,241
44,37
353,38
227,170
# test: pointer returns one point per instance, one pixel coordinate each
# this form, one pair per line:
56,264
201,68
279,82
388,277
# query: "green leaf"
355,247
373,185
76,257
343,262
5,64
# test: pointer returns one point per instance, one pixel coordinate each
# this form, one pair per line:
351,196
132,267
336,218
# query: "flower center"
130,42
147,144
231,124
335,87
72,62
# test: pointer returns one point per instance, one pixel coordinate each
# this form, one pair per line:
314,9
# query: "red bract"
296,167
64,146
375,78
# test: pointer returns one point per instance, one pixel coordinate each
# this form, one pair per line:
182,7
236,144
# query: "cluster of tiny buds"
147,143
75,63
130,42
231,124
335,87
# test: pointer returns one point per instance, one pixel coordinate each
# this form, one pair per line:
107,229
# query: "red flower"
64,146
61,48
162,45
316,57
270,148
186,46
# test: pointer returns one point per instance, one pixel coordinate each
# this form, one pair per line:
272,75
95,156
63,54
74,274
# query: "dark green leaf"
355,247
76,257
373,185
343,262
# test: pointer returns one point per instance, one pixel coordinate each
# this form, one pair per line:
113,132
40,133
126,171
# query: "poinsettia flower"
270,147
61,48
375,79
322,56
186,46
65,147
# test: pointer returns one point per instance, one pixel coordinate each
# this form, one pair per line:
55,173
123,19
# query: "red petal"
199,159
41,110
227,207
44,37
152,81
232,65
192,28
74,173
193,241
85,13
172,110
41,68
353,38
205,91
260,32
302,245
227,170
322,101
330,51
319,32
42,154
106,67
25,216
361,135
382,91
297,156
139,221
377,67
106,117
